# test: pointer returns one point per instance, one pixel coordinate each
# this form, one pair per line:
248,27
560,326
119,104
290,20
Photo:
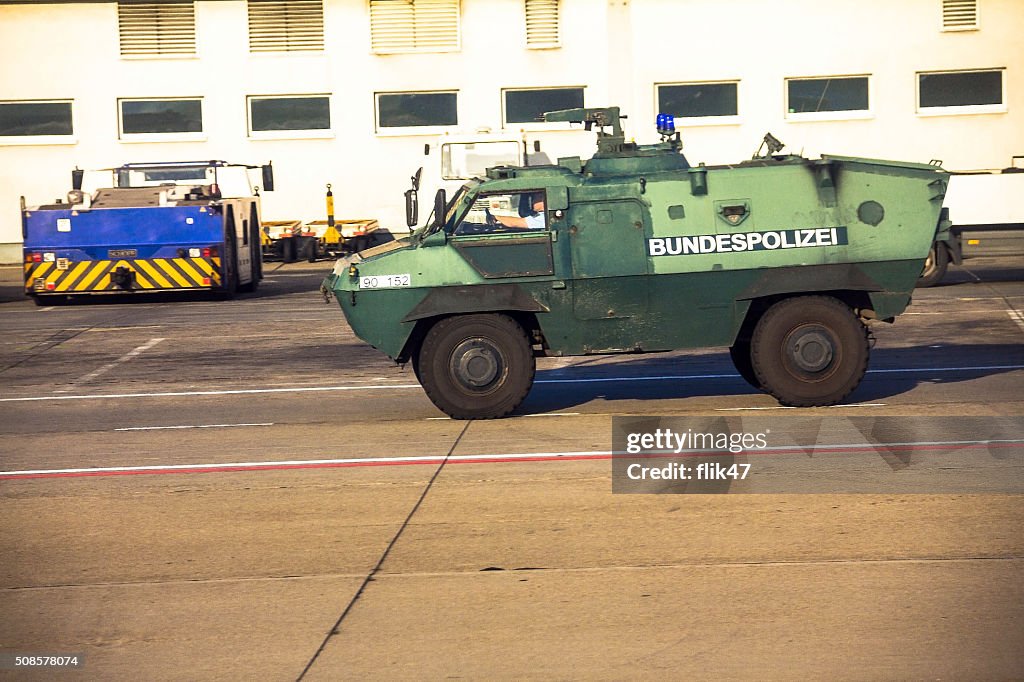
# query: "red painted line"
228,468
282,467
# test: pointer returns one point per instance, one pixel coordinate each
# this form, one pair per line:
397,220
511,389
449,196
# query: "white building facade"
348,92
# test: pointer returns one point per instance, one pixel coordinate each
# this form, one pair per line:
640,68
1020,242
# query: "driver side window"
504,213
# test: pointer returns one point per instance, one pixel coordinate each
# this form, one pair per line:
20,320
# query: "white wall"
617,49
763,43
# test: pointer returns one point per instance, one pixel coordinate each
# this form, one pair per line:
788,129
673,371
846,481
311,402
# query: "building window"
965,92
542,24
160,116
959,15
529,106
272,114
414,26
296,26
699,100
397,110
33,119
156,29
826,95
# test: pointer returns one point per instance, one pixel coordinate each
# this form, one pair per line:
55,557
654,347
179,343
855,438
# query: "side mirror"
76,178
412,208
268,178
440,202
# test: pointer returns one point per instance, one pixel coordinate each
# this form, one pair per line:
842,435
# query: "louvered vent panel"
296,26
414,25
542,23
959,14
157,28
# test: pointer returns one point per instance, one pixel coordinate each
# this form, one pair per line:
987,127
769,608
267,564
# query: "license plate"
384,281
122,253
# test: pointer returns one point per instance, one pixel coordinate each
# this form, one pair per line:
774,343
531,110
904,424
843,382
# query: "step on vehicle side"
782,259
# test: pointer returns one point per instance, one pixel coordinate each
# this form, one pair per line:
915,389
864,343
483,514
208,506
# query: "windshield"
450,209
148,177
463,160
453,205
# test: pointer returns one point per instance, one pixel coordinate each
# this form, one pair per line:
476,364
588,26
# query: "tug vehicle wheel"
810,351
740,354
476,366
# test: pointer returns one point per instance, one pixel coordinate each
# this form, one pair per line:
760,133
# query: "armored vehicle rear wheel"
476,366
740,354
934,266
810,351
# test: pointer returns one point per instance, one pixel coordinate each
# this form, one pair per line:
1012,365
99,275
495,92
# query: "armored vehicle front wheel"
934,266
810,351
476,366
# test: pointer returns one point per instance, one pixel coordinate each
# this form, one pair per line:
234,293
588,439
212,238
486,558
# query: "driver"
534,221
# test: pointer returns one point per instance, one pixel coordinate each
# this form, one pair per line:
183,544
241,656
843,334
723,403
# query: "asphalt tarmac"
193,488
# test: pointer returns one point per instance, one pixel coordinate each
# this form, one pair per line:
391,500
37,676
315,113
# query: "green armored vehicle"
781,258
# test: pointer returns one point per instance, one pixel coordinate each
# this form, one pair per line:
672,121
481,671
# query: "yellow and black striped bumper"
148,274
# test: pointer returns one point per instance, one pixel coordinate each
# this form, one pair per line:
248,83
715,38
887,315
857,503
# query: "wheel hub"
476,363
811,350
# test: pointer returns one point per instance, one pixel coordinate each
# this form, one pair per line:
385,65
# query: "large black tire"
306,248
288,249
934,266
810,351
740,354
476,366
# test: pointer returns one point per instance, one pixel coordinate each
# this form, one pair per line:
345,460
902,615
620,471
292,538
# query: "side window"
505,212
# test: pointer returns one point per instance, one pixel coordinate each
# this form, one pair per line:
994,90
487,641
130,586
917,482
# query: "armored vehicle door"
609,259
506,234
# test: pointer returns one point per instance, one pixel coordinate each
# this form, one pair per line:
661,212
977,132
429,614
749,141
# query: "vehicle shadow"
892,372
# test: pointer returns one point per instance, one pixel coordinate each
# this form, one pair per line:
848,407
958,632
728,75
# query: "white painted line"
191,426
554,414
106,368
125,329
543,414
177,394
308,389
489,458
353,461
787,407
598,380
927,370
1017,317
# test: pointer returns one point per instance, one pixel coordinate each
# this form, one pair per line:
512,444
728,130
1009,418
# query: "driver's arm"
511,221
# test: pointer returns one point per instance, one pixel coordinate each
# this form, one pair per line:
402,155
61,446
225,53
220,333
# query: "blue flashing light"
666,124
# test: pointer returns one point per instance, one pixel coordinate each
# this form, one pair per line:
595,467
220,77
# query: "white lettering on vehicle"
738,242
